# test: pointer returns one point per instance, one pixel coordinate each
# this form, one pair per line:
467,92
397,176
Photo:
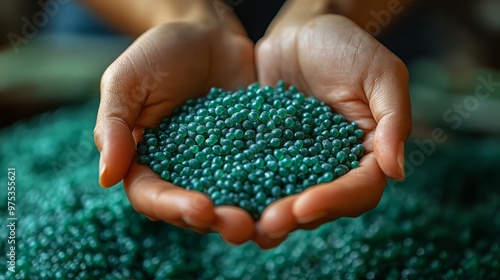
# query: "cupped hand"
333,59
161,70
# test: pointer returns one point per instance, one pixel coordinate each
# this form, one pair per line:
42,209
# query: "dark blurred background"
58,62
447,45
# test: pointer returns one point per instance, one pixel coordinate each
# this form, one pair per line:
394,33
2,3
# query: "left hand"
333,59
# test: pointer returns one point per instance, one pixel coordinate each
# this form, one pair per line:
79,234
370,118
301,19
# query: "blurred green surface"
52,70
443,222
436,89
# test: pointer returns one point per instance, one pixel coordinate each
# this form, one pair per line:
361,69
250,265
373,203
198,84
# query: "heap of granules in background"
442,222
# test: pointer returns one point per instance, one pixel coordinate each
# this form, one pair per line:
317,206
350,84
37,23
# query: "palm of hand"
349,70
175,62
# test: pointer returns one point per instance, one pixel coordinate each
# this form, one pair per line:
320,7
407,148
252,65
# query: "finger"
390,105
233,224
151,218
116,115
275,243
182,224
316,223
159,199
278,220
351,195
264,241
201,231
114,140
267,71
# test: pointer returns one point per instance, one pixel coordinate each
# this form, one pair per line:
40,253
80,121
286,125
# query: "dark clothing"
256,15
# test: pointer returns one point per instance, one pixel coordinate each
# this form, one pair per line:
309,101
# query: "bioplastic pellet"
233,129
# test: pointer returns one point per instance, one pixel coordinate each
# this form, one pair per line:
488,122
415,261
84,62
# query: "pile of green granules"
251,147
442,222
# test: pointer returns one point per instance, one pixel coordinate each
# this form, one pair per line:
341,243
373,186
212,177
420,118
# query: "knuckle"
137,208
400,67
109,75
120,75
368,206
264,46
407,127
196,206
372,203
97,139
371,206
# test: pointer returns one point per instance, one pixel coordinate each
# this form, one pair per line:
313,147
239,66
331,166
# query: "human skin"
332,58
191,50
168,64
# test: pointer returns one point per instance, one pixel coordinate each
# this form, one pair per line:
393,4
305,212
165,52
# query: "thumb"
390,105
118,111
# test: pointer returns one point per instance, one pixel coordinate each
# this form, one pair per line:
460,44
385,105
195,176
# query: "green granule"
251,147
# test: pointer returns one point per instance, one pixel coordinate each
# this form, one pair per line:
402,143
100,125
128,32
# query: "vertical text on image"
11,219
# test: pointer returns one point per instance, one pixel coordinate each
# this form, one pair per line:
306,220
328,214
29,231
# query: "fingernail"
311,218
102,169
266,245
278,234
401,159
189,221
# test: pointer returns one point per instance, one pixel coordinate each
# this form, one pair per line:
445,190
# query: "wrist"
307,9
169,11
206,13
297,12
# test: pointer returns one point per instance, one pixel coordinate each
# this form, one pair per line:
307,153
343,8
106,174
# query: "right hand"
161,70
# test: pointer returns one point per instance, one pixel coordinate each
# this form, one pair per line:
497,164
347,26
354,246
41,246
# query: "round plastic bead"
275,142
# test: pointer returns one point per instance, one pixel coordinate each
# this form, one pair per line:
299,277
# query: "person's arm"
383,13
134,17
